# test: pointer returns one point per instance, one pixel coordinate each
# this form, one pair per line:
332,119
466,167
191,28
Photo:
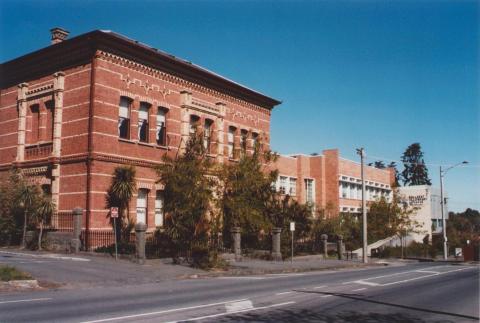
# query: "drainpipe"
93,67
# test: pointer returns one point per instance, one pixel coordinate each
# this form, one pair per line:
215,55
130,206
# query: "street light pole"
442,203
361,152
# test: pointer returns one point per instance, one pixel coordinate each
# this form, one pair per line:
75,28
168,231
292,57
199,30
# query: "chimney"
58,35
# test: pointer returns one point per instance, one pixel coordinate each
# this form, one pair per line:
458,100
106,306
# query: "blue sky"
377,74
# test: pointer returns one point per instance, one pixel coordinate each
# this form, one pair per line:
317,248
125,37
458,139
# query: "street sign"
114,212
458,252
292,226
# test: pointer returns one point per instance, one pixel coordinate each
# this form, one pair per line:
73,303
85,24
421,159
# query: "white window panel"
124,107
142,206
143,111
159,209
293,186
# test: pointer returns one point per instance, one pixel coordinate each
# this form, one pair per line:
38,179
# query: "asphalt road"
428,292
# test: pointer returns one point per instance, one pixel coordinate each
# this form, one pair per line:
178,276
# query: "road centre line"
231,313
428,271
284,293
359,289
364,280
325,296
26,300
164,311
407,280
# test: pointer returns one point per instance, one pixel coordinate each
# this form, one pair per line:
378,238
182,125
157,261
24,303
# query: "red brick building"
330,182
73,111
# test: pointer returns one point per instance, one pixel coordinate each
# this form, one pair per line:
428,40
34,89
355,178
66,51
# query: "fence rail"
61,221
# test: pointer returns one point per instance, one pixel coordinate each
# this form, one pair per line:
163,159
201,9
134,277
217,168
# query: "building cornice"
79,51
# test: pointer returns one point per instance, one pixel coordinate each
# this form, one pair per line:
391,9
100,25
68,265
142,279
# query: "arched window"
124,117
207,135
143,121
142,205
161,133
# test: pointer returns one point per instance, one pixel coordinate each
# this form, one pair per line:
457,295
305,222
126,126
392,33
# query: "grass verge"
8,273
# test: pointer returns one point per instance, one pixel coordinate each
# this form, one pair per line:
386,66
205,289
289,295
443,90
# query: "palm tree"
121,191
27,197
43,215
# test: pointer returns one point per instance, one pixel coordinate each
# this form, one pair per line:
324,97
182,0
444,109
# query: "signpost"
114,215
292,229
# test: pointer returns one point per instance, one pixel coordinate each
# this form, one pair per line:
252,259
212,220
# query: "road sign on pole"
114,215
292,229
114,212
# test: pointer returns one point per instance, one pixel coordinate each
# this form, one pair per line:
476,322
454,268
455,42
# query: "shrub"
8,273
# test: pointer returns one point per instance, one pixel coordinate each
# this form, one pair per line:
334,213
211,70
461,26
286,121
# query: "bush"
8,273
122,249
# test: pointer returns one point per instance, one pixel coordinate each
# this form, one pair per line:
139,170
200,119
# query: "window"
353,191
255,140
309,194
161,133
35,134
50,106
293,186
142,205
124,117
231,141
143,122
159,209
344,190
283,185
243,141
193,125
207,135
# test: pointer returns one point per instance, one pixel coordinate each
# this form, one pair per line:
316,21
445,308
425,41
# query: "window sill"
126,140
161,147
233,159
146,144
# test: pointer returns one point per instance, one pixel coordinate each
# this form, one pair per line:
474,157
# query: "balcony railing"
38,151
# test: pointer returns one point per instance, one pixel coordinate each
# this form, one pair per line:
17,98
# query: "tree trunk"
24,243
40,236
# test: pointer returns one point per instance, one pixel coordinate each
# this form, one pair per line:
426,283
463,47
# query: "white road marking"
284,293
359,289
238,306
242,277
50,256
325,296
25,300
162,312
361,282
428,271
318,287
224,314
434,273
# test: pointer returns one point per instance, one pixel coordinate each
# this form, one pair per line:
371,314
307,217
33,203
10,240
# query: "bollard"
140,229
276,252
237,243
340,247
324,239
77,230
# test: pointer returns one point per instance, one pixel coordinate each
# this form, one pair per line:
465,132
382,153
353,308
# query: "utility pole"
442,203
361,152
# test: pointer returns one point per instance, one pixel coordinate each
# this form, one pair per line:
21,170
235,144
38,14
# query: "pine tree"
415,171
397,175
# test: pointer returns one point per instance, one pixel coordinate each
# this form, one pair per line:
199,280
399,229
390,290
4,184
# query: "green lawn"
8,273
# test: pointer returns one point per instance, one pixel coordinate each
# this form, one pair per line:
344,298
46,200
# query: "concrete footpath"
94,270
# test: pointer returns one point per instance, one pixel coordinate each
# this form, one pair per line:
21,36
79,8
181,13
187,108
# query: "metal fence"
61,221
